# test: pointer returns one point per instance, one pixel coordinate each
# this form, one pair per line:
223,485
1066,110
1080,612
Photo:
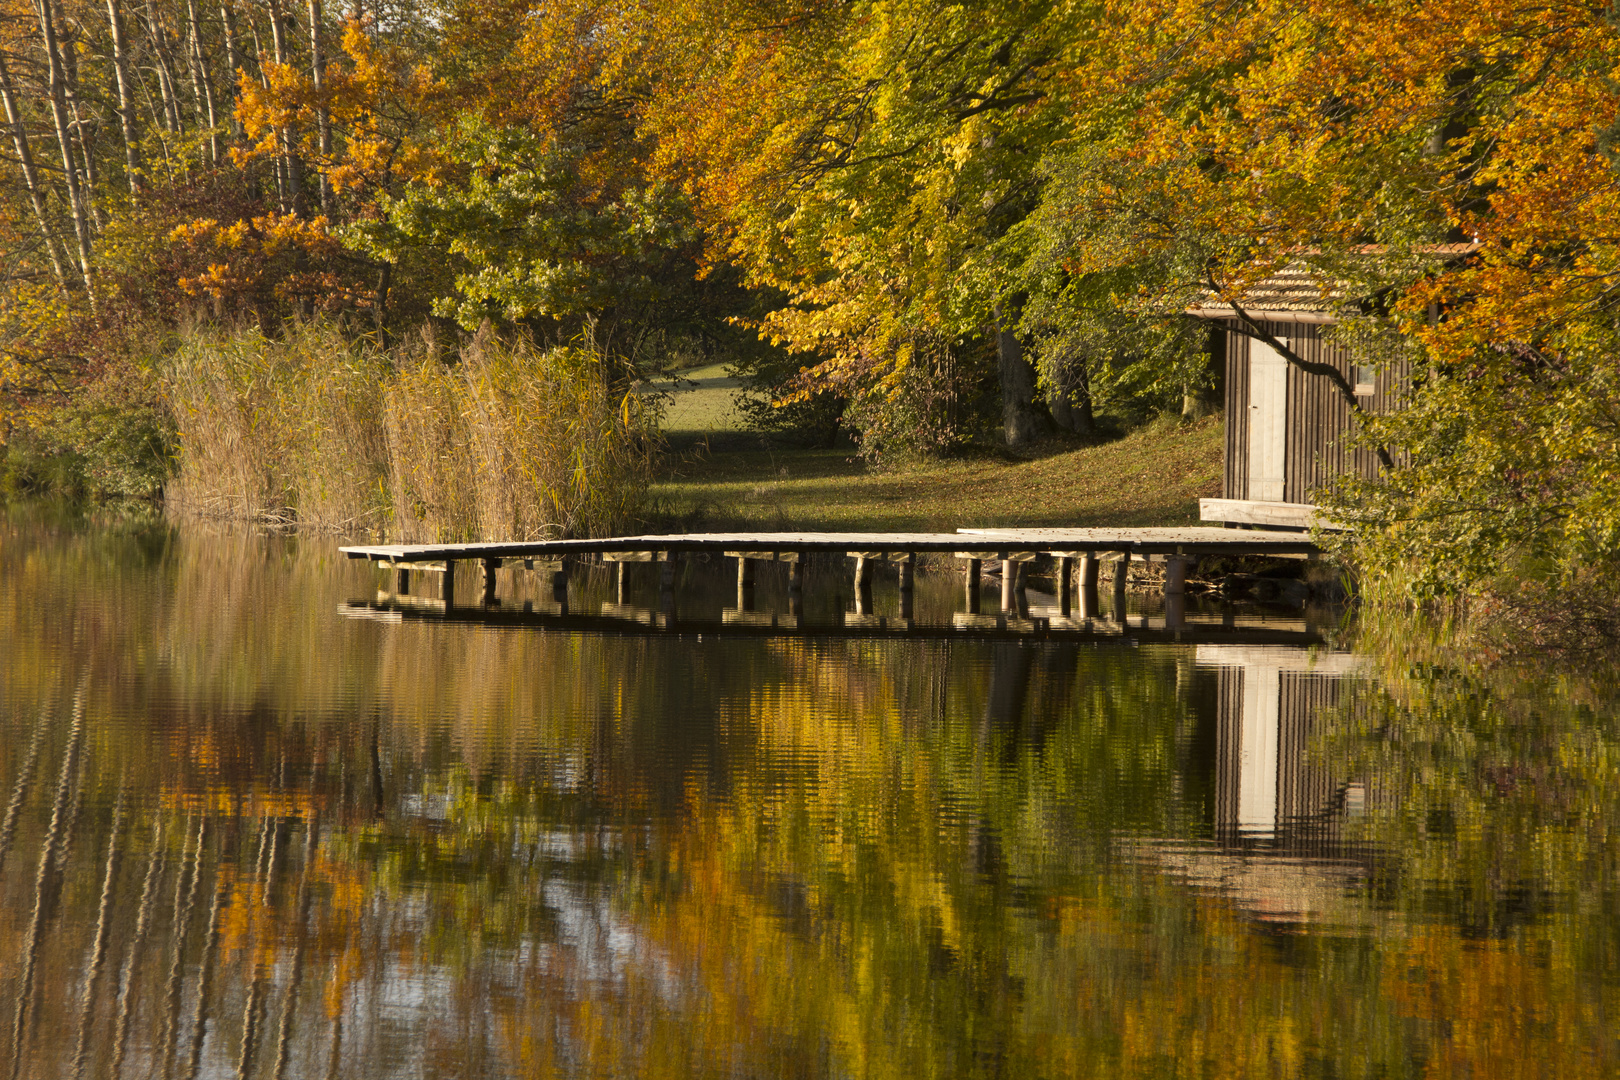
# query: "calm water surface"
249,834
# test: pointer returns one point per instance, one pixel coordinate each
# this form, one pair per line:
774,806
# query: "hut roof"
1298,292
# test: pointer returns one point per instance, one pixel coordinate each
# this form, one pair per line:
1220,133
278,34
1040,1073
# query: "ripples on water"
246,835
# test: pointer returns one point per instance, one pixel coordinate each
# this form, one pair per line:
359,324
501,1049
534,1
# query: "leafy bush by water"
509,441
111,438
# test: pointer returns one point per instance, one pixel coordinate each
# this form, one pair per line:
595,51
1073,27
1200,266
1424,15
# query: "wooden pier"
1079,555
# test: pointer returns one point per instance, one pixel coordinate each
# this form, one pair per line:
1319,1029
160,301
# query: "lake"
265,819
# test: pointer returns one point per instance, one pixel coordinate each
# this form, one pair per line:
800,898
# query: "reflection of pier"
616,618
1079,556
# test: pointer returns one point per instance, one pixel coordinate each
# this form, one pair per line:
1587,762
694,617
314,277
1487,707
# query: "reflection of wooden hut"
1269,786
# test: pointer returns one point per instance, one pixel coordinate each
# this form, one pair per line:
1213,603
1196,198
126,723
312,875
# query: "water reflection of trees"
465,854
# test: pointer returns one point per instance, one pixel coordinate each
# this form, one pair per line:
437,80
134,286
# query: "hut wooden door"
1268,422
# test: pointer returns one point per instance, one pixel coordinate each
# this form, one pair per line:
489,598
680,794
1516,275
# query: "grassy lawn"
700,402
1152,476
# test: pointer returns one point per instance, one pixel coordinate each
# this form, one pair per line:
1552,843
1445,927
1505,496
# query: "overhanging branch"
1253,329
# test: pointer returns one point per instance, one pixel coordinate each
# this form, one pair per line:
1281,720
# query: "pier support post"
907,570
1122,577
796,585
447,586
972,575
1065,584
619,590
863,572
863,585
1175,575
1089,565
490,566
402,582
1010,573
666,581
559,584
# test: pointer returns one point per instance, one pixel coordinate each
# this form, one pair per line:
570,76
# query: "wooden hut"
1286,428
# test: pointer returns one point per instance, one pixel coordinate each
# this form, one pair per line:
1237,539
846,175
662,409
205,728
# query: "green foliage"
1508,466
111,438
532,238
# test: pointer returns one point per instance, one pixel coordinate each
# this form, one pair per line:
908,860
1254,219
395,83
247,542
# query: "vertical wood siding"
1235,479
1318,419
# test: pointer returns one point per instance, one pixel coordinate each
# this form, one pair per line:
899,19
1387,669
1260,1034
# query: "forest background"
280,259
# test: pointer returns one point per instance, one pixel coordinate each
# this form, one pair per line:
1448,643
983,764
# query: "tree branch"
1251,328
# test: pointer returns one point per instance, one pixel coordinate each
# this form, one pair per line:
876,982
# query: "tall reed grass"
507,441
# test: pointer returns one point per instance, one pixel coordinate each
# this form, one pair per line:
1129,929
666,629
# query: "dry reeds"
511,441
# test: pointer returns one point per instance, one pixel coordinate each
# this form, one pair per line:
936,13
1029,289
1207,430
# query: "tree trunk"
27,964
1085,421
264,80
385,281
82,138
165,72
227,21
323,116
289,135
202,87
25,156
312,839
1058,405
1021,420
64,138
126,104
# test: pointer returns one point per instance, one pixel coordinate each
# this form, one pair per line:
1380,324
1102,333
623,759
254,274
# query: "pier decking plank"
1191,540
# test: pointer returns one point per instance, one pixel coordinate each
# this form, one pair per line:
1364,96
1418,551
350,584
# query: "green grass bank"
718,476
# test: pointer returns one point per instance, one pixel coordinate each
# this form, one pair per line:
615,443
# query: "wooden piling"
974,567
1090,608
402,581
490,566
863,584
621,576
447,587
1175,575
1122,577
666,581
796,586
907,571
745,583
1065,574
1089,564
